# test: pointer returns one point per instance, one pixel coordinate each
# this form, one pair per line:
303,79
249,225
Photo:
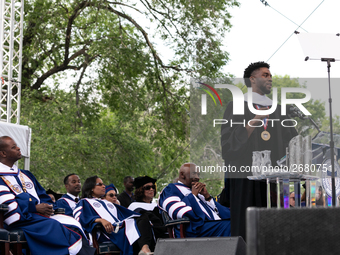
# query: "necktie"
76,200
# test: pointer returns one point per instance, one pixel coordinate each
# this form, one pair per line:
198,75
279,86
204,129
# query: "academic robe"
44,235
237,151
125,199
149,233
90,209
206,218
68,203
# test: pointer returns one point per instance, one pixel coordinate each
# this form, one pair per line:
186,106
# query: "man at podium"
258,134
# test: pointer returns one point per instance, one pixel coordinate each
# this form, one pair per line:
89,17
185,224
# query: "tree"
315,107
126,105
106,145
110,38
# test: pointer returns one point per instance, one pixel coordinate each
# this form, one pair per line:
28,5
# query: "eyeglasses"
112,195
100,184
149,187
293,198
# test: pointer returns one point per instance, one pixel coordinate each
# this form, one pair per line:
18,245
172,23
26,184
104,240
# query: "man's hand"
204,192
198,187
44,209
106,224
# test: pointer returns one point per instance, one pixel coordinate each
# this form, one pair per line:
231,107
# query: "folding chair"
171,224
104,247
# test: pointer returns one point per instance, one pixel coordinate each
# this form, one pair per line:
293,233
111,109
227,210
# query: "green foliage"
315,107
107,146
125,111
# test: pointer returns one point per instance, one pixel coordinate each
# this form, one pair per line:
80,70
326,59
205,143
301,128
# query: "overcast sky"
258,31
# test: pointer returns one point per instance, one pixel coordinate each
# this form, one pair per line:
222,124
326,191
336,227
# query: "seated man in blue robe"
31,209
190,198
71,198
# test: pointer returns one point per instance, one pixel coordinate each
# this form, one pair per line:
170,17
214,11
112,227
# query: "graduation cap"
142,180
110,187
56,195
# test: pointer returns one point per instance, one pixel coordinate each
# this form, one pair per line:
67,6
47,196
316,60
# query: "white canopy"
20,134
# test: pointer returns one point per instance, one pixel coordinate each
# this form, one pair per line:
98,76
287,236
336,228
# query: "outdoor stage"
293,231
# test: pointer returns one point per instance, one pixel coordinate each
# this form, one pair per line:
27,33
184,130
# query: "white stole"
146,206
101,210
130,229
28,184
186,191
67,220
70,202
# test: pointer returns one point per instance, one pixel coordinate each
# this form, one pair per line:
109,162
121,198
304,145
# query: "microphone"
295,112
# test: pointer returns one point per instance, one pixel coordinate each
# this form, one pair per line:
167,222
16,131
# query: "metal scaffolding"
11,37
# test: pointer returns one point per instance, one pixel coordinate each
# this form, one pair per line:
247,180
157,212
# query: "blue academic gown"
88,210
206,218
44,235
68,203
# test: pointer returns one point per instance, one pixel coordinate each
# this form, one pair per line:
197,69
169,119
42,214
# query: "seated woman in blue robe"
111,194
118,223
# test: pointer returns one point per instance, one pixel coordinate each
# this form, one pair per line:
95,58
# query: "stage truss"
11,36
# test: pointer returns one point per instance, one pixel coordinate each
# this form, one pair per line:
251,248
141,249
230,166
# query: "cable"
295,29
280,47
266,4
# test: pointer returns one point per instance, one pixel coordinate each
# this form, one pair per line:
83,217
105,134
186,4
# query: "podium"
309,161
284,179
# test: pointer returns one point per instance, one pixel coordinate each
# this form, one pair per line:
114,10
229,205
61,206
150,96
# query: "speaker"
311,231
201,246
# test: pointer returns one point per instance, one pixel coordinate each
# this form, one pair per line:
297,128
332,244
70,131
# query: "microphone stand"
331,143
295,112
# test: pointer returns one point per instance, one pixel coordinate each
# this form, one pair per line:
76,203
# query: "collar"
72,196
259,99
179,182
6,170
128,194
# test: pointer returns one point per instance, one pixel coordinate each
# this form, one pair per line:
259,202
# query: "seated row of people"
31,209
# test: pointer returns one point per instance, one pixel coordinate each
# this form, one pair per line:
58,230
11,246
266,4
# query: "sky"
258,31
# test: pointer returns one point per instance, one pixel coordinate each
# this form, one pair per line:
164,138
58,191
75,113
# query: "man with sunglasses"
190,198
71,198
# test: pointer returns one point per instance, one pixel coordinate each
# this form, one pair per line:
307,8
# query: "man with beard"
127,197
239,141
71,198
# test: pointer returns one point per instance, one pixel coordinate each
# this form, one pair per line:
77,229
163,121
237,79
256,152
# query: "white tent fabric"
20,134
